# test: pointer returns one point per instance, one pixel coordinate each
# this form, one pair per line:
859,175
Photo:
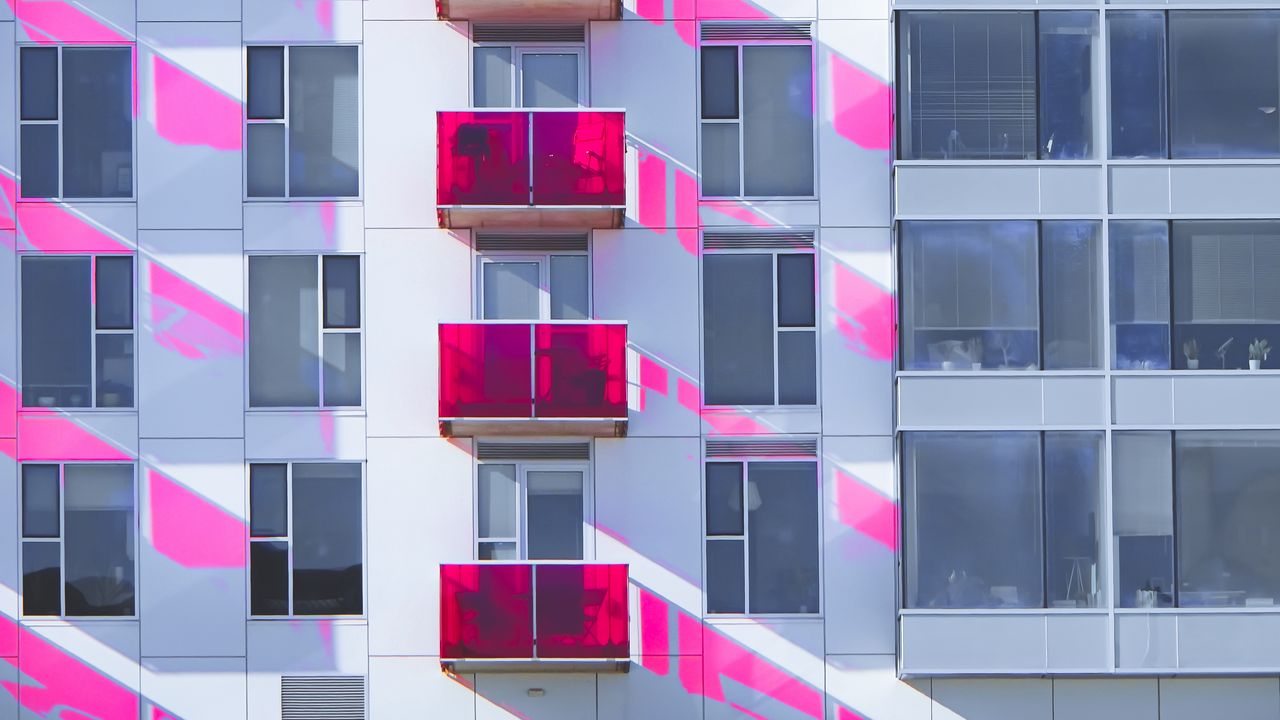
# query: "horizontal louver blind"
322,698
748,31
731,240
533,451
790,447
529,33
531,243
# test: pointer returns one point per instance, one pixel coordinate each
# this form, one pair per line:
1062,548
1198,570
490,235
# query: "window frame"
249,538
245,122
543,260
94,333
742,179
321,331
745,461
518,50
132,197
521,541
62,615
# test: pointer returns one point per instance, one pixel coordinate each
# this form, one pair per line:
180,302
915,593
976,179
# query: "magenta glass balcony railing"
531,158
533,371
552,611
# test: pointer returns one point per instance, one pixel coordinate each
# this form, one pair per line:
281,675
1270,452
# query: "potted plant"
973,349
1191,349
1258,351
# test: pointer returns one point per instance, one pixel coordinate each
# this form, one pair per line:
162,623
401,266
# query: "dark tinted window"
738,333
719,82
266,83
97,122
56,332
40,509
327,537
268,500
39,83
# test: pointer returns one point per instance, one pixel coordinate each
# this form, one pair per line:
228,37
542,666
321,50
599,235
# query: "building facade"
577,359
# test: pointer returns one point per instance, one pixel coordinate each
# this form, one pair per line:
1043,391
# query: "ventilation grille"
322,698
531,243
729,240
529,33
533,451
757,31
791,447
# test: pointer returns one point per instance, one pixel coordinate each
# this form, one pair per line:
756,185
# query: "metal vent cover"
493,32
737,447
508,242
733,240
322,698
729,31
533,451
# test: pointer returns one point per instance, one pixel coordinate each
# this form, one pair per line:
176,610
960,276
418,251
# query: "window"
757,120
79,540
972,295
76,136
553,286
303,138
762,537
77,331
969,89
1002,520
304,345
531,511
1139,121
1140,294
306,539
758,323
533,76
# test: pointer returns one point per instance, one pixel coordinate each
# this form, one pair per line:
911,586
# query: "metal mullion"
320,290
62,545
777,344
522,512
742,143
288,526
746,532
93,331
286,51
62,88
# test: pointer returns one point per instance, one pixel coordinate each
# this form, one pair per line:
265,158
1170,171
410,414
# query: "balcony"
541,10
543,616
531,168
523,378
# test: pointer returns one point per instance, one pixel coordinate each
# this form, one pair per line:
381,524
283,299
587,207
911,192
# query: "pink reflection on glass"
581,611
189,111
864,314
189,320
486,611
863,105
483,158
191,530
52,228
486,370
47,435
54,684
864,509
581,371
578,158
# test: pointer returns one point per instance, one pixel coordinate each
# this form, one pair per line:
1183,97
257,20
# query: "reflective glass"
719,82
40,511
115,370
1067,61
1073,520
569,287
549,80
796,290
100,543
324,133
113,300
1071,283
341,291
56,332
283,331
97,122
554,515
777,120
724,499
720,160
496,496
797,368
726,576
328,540
268,500
266,83
41,578
342,369
492,77
782,532
269,578
39,161
738,333
265,153
1139,123
1142,504
39,83
511,290
1140,295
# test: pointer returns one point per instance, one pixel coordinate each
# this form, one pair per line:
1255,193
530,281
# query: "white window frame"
62,543
745,538
321,331
250,539
246,122
94,332
742,175
518,51
133,160
522,468
543,260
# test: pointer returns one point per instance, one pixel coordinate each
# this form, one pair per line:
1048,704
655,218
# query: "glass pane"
580,611
41,578
100,542
40,510
97,123
1140,295
738,333
341,369
719,82
797,368
726,577
970,497
549,80
496,498
113,299
581,370
511,291
39,83
970,298
554,517
1073,520
115,370
39,161
795,290
1224,292
266,160
1067,47
498,551
269,578
569,287
266,83
720,160
724,499
968,85
782,528
324,135
56,332
1139,127
1142,490
328,539
268,500
492,76
283,328
341,291
777,120
1224,85
1228,500
1071,284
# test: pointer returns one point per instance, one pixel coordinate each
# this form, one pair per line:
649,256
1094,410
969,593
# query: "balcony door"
533,76
534,287
531,511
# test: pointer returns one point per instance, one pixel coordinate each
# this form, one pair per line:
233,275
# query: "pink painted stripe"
63,21
864,509
655,634
191,530
189,111
191,297
52,228
863,105
46,435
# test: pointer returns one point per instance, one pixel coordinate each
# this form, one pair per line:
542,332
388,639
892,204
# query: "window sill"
331,619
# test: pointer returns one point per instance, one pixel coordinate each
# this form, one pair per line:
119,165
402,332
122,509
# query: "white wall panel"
295,21
413,688
754,9
8,328
969,401
1106,699
1224,399
1147,641
211,688
325,226
853,10
398,10
78,435
78,227
992,700
644,694
504,696
304,435
1240,698
9,550
759,214
1210,190
88,666
189,10
1142,400
868,686
1228,640
300,647
1139,190
953,643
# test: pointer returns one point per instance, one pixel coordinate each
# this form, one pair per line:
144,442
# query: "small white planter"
1193,364
1255,364
948,365
977,366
